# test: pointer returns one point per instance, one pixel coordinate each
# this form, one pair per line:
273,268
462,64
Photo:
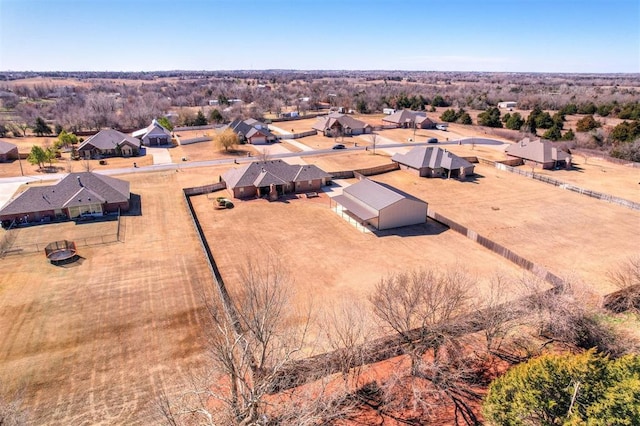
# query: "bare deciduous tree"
348,330
249,347
494,313
415,305
627,278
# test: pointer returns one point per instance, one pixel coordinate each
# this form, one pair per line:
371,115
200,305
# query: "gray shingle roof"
75,189
6,147
326,122
405,116
377,195
431,157
537,150
153,128
250,173
250,128
108,139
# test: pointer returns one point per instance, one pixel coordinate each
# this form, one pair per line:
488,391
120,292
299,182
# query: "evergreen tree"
201,120
41,128
567,390
490,118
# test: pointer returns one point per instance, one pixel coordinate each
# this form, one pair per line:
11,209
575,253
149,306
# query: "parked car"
338,146
432,140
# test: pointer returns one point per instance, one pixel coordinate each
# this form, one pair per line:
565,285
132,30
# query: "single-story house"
108,143
153,135
541,152
8,151
408,118
507,104
433,162
336,124
380,205
252,131
274,178
77,194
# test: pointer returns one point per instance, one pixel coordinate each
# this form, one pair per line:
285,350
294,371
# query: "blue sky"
442,35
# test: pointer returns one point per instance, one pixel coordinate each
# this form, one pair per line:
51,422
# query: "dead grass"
92,343
568,233
330,259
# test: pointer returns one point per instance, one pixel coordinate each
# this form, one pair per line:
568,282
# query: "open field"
93,342
330,259
599,175
568,233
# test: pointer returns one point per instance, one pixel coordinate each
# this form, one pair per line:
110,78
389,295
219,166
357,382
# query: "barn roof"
377,195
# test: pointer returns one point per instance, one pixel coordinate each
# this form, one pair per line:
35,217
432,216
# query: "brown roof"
538,150
73,190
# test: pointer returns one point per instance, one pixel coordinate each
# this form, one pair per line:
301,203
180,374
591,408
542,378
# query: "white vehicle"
442,127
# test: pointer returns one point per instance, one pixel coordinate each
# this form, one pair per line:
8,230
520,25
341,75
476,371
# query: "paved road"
9,185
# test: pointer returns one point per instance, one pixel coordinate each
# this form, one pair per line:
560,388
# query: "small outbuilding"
8,151
380,205
507,104
434,162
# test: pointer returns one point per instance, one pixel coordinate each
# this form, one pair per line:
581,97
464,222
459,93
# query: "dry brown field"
348,160
296,126
93,342
599,175
570,234
208,150
330,258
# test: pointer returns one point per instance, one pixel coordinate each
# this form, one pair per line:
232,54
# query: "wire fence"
569,187
12,243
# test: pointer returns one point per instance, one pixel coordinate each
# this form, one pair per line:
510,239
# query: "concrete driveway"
160,155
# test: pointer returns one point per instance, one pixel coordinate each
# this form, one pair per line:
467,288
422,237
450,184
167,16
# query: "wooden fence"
298,135
195,140
371,171
497,248
206,189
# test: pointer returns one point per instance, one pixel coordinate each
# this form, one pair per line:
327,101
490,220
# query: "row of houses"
111,142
